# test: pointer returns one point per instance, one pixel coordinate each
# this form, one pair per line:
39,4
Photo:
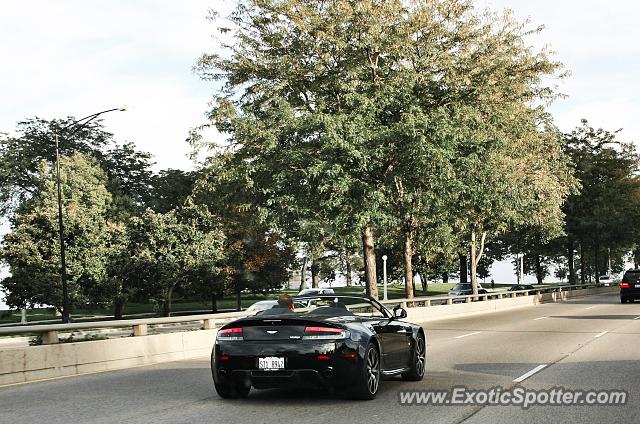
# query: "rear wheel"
231,390
366,387
419,360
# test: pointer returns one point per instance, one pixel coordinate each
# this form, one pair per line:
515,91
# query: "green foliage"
257,258
128,170
345,116
171,250
31,248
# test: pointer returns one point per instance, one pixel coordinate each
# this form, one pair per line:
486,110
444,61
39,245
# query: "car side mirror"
399,313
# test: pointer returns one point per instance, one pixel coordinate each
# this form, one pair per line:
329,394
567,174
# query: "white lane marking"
637,317
536,319
467,335
590,307
600,334
529,374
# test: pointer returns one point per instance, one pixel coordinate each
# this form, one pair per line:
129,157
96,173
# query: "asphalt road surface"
584,344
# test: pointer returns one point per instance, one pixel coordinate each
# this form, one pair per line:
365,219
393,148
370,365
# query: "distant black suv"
630,286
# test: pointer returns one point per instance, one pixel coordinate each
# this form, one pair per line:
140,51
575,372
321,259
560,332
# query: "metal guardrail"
50,332
448,300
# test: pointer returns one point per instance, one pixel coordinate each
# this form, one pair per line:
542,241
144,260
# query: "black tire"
231,391
623,300
368,382
418,360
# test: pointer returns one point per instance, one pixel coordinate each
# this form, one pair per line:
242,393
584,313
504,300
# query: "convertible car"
343,343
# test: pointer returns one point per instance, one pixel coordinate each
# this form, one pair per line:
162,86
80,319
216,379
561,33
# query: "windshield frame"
387,314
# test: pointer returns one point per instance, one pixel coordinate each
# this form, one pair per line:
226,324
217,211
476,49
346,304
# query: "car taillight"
234,333
624,285
324,333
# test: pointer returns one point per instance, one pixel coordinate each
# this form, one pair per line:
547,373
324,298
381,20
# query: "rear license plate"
271,363
638,286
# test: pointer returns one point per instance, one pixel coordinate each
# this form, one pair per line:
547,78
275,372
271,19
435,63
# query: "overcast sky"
74,57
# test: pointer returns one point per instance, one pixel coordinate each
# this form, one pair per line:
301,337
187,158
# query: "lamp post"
63,266
384,276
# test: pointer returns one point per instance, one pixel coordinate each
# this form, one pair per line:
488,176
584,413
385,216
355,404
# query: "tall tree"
171,250
330,106
31,248
606,212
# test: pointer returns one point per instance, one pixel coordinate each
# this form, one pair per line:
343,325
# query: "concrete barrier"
20,365
25,364
423,314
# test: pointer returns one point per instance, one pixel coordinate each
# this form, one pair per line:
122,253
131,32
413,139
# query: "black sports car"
344,343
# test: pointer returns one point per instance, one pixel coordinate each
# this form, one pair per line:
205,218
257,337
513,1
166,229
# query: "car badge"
272,331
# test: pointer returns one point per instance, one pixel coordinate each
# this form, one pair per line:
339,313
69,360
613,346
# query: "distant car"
315,292
630,286
517,287
464,290
263,305
606,280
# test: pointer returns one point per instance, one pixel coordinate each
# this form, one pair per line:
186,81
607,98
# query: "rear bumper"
630,293
283,378
303,368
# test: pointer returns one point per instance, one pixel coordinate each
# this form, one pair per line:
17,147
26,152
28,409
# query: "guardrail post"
427,302
50,337
514,294
209,324
499,295
403,305
449,301
140,330
467,300
485,297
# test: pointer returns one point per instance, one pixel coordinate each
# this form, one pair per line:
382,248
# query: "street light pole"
66,313
384,274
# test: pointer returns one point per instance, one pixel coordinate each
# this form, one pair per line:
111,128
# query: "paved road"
479,352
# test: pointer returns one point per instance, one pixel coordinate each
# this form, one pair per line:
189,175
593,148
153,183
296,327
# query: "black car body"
464,289
345,343
630,286
518,287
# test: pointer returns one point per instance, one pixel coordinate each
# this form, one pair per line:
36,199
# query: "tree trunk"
582,265
118,307
476,255
167,303
348,263
424,282
570,261
539,275
463,269
474,264
315,274
408,265
596,258
214,303
303,273
445,278
238,299
369,254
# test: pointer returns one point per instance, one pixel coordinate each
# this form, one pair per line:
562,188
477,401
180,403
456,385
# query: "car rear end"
630,286
284,352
